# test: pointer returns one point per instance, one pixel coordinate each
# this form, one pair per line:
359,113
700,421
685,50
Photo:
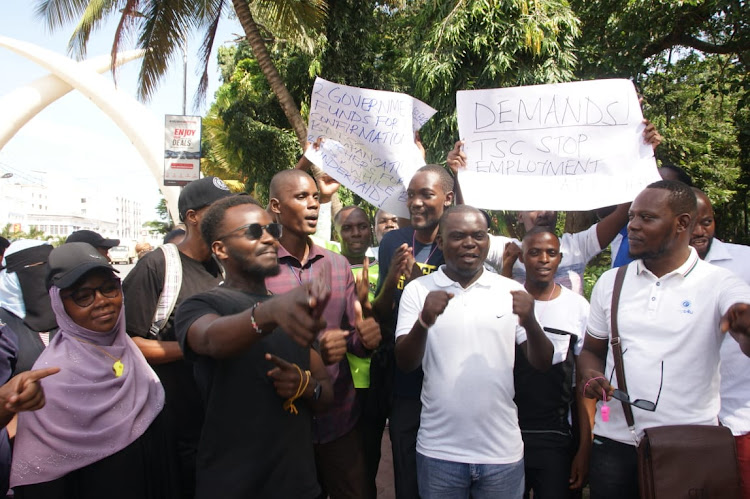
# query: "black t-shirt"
250,446
145,282
183,407
544,399
429,257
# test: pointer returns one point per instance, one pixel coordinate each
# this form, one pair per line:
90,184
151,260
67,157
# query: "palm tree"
162,27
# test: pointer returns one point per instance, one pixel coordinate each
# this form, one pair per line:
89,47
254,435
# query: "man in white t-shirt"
461,324
735,367
556,452
674,311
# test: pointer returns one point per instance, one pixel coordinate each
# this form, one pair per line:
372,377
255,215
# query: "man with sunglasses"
191,270
252,356
294,203
674,311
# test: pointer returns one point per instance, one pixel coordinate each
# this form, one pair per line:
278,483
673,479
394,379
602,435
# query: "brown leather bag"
682,461
690,461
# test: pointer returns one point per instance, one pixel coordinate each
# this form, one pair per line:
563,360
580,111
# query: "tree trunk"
258,45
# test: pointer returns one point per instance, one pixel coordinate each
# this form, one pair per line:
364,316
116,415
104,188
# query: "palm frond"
165,25
297,21
56,13
124,26
90,19
205,51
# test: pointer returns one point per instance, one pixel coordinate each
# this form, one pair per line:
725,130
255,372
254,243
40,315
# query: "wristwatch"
317,391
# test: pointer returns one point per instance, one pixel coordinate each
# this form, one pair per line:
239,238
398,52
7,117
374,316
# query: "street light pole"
184,73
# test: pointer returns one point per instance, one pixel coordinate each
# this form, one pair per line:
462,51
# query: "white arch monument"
144,130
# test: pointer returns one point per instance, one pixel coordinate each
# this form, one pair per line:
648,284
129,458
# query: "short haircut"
172,234
351,207
540,229
446,180
681,196
283,177
460,208
681,174
211,226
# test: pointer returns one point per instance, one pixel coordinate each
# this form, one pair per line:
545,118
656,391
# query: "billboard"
182,149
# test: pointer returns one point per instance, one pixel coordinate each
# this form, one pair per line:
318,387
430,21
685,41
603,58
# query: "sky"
72,140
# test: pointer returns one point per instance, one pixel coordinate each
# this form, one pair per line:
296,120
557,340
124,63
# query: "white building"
29,202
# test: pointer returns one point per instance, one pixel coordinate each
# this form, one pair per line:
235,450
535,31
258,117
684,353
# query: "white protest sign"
369,140
567,146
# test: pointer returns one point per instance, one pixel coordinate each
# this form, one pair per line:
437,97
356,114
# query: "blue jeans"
448,480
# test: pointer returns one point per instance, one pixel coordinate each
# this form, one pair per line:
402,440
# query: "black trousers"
613,473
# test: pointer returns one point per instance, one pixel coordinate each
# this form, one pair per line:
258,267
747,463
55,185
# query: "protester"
95,239
26,307
159,282
338,444
355,233
251,354
21,393
461,324
735,367
4,243
100,433
673,313
407,253
556,452
175,236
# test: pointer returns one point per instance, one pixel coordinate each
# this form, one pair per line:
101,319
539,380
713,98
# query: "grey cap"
71,261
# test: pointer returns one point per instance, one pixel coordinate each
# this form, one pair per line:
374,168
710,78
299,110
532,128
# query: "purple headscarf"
90,413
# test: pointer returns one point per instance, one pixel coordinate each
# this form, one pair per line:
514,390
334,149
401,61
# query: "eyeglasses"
84,297
646,405
255,231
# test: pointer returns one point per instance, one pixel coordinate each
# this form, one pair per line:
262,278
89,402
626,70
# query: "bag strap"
171,289
616,343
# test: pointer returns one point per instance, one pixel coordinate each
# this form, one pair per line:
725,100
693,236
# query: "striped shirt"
343,413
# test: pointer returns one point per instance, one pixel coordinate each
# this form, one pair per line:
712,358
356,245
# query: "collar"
717,252
316,253
683,270
443,281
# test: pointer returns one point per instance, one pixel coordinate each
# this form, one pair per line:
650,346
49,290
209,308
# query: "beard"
250,268
650,255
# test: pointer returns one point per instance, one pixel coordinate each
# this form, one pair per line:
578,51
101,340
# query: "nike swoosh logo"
501,315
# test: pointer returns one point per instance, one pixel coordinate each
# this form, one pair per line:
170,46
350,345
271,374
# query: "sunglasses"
255,231
84,297
646,405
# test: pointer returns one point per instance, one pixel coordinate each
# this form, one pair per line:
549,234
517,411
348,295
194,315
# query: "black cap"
93,238
200,193
70,261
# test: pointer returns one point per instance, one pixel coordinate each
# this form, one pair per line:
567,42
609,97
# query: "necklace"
118,367
298,277
414,249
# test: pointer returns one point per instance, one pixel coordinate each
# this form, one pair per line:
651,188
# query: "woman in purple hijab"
100,434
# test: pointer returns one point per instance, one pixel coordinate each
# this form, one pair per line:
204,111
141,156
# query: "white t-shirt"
669,323
568,312
735,365
577,249
468,414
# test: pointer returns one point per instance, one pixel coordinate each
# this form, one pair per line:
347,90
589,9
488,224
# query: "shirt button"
658,284
653,298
